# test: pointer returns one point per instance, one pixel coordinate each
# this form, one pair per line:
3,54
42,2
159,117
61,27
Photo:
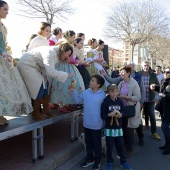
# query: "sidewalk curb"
52,162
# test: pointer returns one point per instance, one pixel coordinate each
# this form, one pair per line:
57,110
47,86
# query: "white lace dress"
14,98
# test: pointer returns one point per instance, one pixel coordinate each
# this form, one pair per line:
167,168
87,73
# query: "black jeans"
145,113
128,134
166,131
139,131
93,144
149,108
119,144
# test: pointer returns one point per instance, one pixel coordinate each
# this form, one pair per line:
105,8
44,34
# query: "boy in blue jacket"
111,110
92,99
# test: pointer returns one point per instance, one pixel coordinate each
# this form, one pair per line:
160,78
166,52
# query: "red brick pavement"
16,152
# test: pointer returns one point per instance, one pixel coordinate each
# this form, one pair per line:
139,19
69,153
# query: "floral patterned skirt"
60,93
14,98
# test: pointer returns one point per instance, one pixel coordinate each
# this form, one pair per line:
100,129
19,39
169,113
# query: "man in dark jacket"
148,78
165,109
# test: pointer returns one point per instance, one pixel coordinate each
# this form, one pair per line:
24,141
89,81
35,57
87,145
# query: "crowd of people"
55,73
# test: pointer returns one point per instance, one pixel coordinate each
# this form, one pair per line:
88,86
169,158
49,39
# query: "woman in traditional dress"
57,35
99,55
14,98
41,39
61,93
95,60
82,36
54,41
36,66
92,43
78,55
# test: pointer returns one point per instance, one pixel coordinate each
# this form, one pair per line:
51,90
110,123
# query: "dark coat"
165,101
152,80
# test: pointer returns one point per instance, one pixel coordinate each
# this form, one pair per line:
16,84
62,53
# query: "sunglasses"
166,72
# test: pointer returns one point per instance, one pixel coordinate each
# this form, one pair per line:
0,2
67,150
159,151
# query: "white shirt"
38,41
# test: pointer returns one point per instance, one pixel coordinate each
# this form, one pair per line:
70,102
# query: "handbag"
158,106
129,111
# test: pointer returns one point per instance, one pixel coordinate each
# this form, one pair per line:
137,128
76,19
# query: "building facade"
140,53
115,57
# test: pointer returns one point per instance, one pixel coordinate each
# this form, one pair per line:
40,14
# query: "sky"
89,18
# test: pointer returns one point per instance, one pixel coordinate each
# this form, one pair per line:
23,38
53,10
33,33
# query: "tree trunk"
151,63
132,59
162,64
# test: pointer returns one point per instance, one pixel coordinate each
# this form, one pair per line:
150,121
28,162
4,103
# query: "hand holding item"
112,114
73,84
70,75
9,58
116,114
152,86
161,95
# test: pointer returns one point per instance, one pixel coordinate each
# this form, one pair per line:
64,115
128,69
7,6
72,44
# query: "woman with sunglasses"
164,93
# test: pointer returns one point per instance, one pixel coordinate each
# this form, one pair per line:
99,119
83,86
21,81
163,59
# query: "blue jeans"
166,131
149,108
42,92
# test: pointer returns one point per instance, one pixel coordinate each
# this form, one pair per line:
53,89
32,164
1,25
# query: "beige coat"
134,92
37,65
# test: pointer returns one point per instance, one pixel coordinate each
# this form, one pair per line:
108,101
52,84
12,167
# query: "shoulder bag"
129,111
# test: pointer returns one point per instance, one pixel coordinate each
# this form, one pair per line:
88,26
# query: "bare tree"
134,22
159,43
48,9
163,54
